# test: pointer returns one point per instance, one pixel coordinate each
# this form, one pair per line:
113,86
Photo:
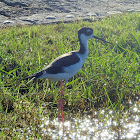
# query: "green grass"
109,79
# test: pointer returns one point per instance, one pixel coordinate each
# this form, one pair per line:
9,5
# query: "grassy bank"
109,79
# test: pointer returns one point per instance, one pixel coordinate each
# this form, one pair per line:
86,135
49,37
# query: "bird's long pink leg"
60,104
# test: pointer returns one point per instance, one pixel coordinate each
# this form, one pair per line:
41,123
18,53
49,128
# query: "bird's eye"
89,32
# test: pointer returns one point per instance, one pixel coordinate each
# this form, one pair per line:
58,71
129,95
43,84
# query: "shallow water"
101,125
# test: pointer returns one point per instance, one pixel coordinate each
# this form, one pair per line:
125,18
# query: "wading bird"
67,65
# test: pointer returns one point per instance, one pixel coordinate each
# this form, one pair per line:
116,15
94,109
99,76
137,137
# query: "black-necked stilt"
67,65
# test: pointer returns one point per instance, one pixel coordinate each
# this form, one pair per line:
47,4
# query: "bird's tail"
30,80
34,76
28,77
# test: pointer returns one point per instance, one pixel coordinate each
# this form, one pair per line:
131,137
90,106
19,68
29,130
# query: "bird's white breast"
73,69
69,71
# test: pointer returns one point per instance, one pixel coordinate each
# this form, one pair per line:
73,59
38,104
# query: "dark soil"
47,11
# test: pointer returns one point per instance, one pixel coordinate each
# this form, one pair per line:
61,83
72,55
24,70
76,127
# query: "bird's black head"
86,31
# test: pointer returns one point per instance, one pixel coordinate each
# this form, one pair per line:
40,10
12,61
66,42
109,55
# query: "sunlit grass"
109,79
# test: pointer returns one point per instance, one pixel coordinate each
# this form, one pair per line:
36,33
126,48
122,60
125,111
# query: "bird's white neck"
83,44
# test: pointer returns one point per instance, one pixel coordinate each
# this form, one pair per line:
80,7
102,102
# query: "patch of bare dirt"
48,11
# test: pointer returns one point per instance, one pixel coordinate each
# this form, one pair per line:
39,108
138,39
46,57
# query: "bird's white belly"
69,71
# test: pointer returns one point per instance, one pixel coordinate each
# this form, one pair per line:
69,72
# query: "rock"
69,16
91,14
114,12
50,17
51,11
13,4
31,21
7,22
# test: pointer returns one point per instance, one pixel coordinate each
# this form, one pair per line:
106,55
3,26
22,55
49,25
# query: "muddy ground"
14,12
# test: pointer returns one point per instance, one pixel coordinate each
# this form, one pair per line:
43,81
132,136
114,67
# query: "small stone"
131,10
8,22
69,16
91,14
32,21
114,12
50,17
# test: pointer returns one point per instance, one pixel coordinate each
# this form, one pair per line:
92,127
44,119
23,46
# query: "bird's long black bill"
102,40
